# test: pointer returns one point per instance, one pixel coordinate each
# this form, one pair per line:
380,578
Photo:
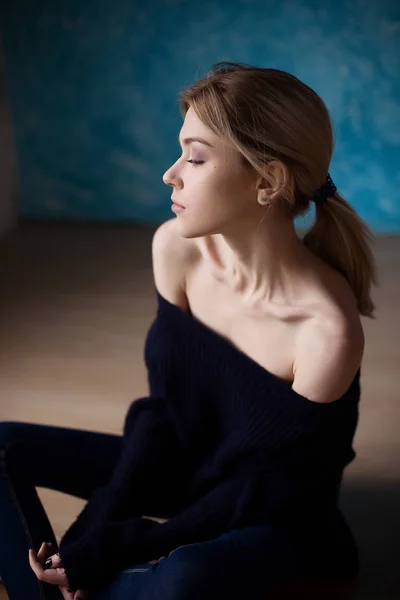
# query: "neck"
262,261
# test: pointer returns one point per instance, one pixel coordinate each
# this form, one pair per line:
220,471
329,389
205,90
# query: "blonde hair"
269,115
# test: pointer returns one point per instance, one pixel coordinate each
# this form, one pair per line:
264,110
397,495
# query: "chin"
190,233
190,230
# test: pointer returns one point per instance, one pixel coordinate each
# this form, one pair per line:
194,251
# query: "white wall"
8,177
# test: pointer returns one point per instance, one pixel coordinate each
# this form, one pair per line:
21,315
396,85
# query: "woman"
254,366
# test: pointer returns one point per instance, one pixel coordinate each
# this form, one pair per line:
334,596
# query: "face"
209,180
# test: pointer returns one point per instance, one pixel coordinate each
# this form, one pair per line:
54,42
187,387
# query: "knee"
132,415
139,407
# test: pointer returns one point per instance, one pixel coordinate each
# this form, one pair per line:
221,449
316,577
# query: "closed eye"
195,162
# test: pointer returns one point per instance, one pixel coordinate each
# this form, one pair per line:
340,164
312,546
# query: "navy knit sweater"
220,443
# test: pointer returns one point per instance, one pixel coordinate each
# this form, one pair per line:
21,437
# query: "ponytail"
342,239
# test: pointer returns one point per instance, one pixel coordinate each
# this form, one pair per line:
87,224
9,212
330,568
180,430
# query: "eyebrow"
189,140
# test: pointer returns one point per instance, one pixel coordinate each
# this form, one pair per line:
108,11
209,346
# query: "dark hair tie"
327,190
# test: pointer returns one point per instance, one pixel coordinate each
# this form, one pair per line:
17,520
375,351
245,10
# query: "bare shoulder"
329,350
173,257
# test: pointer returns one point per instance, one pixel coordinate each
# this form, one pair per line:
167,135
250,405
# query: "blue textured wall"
94,88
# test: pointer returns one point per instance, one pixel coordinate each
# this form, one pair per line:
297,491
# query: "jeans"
250,562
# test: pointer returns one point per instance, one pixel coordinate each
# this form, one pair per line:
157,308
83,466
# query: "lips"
177,203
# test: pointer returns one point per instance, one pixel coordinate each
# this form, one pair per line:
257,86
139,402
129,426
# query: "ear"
275,179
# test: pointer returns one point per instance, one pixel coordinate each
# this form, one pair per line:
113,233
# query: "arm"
239,501
112,546
81,523
172,257
149,477
328,355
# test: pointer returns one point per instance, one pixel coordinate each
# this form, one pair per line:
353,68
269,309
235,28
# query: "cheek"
217,189
215,204
211,196
211,182
227,191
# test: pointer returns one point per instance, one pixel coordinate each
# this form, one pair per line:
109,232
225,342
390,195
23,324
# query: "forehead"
194,127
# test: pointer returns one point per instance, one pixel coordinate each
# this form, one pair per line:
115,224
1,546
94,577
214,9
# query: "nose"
170,177
166,178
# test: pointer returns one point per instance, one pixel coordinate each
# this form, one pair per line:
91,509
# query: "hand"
53,572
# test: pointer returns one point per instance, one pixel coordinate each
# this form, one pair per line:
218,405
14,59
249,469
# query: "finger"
81,595
41,551
45,551
54,577
61,573
53,562
50,575
35,564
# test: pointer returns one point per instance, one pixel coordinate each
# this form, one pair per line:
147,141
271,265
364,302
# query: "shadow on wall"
8,179
372,510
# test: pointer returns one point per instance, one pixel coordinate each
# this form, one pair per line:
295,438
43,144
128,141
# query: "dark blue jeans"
250,562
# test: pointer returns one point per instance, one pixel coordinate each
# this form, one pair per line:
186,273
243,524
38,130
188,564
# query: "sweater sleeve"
98,556
149,476
83,520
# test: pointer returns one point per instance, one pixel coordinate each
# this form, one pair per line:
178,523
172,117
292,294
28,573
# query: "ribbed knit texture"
221,442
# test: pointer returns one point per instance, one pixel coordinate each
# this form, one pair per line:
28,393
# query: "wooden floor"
75,304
